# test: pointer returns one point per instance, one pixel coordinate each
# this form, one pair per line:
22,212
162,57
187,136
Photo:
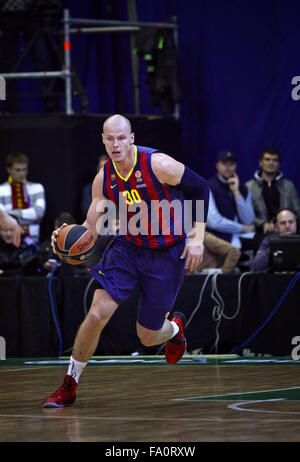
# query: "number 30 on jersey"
132,196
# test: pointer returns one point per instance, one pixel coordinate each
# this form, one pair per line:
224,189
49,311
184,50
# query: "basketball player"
138,175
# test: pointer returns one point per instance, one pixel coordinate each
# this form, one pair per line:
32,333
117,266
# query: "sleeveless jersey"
145,215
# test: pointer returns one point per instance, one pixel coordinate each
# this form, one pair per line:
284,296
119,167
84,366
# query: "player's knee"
98,318
94,318
102,309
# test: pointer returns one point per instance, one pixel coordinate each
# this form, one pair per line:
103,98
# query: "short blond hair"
16,157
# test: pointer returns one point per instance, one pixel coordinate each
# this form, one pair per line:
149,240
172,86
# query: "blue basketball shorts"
159,273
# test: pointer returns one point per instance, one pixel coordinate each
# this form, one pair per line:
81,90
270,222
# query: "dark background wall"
237,62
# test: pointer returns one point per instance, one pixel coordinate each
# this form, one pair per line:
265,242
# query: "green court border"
158,360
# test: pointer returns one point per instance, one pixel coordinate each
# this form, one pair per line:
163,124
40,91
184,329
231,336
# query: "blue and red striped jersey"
151,214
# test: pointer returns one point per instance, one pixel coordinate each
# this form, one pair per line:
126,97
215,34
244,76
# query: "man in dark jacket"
285,223
230,214
271,191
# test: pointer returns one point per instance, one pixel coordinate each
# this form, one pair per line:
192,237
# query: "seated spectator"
86,196
271,191
218,254
13,259
230,213
23,199
285,222
9,222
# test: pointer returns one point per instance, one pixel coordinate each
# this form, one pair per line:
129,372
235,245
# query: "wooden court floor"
198,400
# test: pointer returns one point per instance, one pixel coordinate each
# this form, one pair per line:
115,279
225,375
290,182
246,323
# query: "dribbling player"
156,256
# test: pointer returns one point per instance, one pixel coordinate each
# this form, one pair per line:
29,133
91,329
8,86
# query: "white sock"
75,368
175,328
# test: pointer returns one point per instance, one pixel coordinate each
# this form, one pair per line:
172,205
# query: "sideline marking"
236,407
142,419
289,394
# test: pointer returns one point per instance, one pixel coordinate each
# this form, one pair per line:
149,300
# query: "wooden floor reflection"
145,404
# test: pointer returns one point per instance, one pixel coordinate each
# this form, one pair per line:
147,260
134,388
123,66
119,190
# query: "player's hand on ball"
54,236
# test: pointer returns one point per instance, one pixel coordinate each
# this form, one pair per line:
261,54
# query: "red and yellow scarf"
20,199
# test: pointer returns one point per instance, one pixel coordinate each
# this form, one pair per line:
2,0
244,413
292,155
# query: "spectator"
271,191
13,259
285,222
230,214
10,222
86,196
218,254
23,199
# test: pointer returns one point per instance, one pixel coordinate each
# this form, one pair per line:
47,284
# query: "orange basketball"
74,244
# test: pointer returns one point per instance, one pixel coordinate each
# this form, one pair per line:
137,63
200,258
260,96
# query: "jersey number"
132,196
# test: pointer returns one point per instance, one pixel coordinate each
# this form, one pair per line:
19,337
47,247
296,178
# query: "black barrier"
231,309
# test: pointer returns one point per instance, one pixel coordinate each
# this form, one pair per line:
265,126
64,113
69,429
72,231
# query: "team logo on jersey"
113,177
139,179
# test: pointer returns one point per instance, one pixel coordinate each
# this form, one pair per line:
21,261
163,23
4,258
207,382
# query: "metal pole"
67,67
132,15
34,75
176,114
107,22
88,30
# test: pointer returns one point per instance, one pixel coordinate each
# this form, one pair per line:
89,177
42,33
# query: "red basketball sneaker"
64,395
175,347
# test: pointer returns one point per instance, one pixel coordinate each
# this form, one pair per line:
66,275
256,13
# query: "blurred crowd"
242,218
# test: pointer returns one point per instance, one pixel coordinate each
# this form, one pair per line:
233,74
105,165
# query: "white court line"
200,398
236,407
21,369
143,419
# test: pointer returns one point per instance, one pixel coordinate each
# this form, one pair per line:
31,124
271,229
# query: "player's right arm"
94,213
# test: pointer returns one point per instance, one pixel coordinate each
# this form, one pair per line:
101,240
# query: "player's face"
7,234
286,223
226,169
18,172
269,163
117,139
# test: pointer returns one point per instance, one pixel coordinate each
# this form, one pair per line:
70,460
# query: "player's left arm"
173,173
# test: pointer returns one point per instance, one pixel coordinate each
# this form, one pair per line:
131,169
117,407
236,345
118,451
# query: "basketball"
74,244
